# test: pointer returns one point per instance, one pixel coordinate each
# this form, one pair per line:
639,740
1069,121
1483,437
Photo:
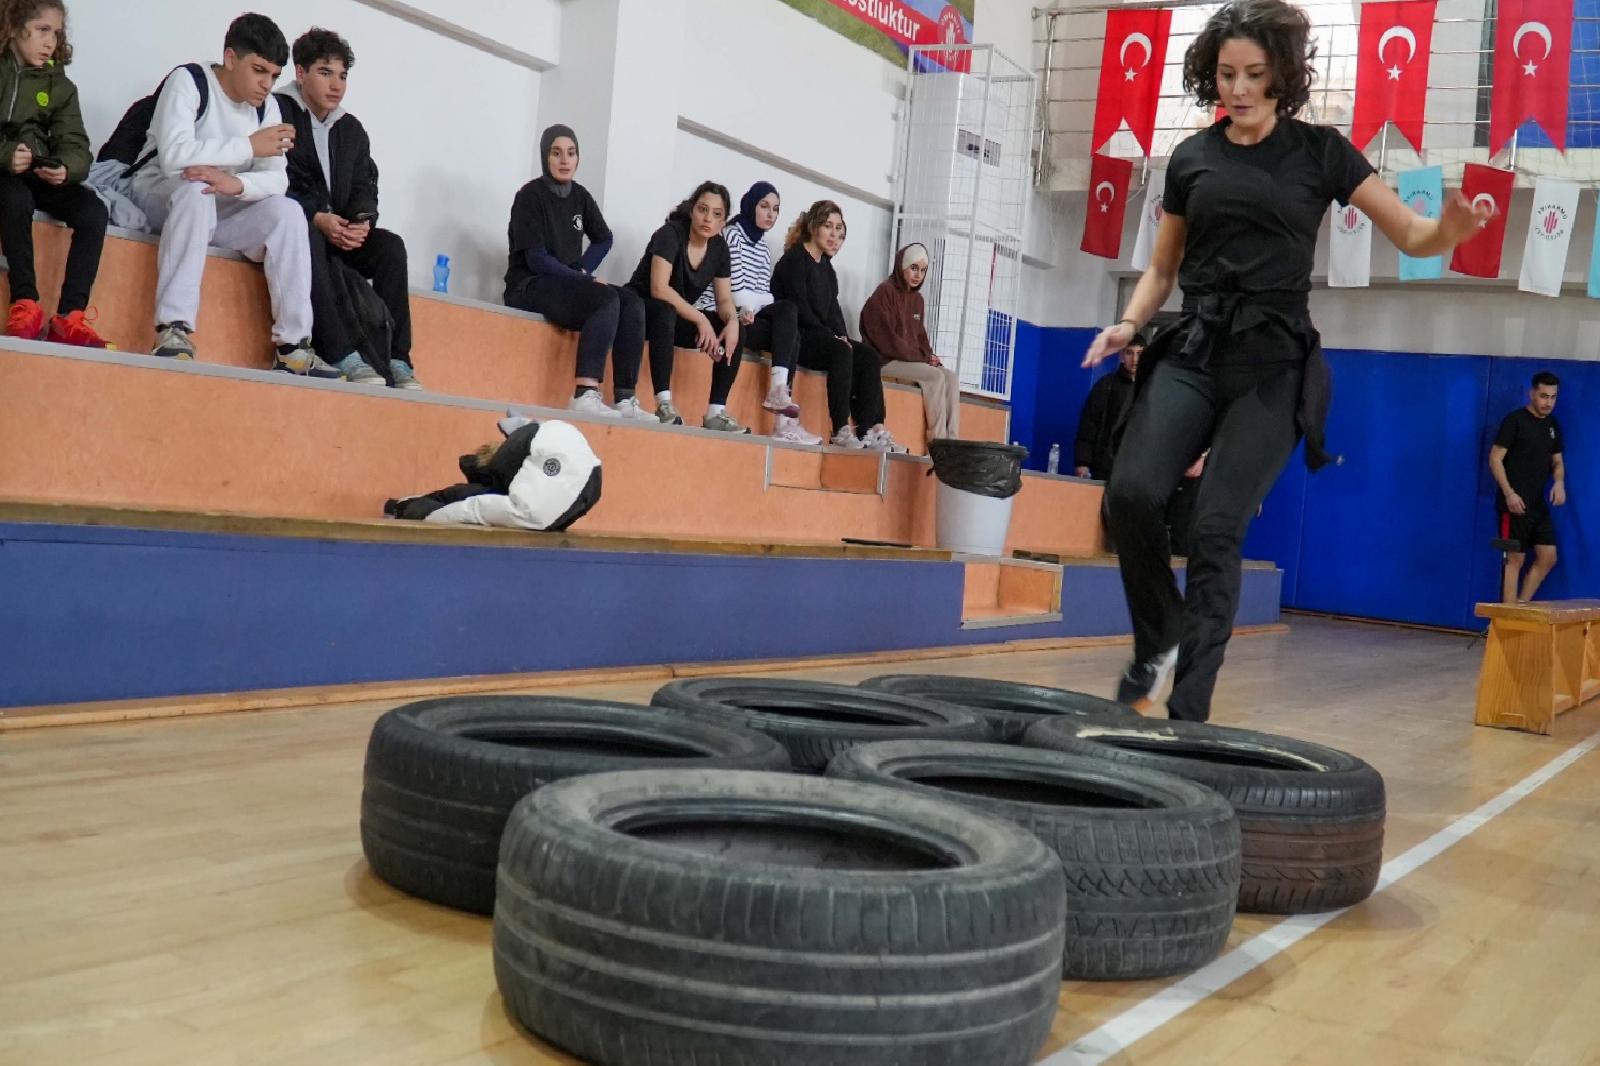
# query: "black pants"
855,378
80,209
776,331
668,331
1180,514
607,318
381,259
1249,422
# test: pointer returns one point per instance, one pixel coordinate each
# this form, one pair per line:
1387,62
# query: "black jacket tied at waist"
1214,317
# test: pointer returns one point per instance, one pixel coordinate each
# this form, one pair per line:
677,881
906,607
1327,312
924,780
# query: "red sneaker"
73,329
26,321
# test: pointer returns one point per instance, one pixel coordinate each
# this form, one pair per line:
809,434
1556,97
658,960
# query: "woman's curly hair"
805,227
14,16
1282,30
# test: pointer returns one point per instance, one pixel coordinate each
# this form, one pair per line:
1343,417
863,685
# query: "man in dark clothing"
1095,447
333,177
1527,454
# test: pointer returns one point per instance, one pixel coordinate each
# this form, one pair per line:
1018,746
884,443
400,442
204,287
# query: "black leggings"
669,331
776,331
855,378
1248,419
75,205
606,317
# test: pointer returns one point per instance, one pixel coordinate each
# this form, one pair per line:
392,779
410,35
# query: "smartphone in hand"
44,162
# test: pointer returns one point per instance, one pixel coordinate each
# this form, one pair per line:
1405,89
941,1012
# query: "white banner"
1349,248
1544,257
1144,245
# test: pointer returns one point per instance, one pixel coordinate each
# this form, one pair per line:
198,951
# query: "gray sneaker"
173,341
302,361
723,422
357,372
667,414
404,376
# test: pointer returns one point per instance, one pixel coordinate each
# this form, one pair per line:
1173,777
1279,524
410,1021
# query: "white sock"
715,409
780,377
664,396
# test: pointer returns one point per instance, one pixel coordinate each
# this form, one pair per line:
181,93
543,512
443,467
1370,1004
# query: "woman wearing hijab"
893,323
805,278
770,325
552,273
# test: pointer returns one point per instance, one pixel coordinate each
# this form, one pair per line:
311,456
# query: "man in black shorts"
1525,456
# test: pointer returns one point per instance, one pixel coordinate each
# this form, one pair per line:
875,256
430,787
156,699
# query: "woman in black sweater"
805,278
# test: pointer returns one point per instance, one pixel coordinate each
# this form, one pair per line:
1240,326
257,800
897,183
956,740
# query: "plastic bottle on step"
441,274
1054,466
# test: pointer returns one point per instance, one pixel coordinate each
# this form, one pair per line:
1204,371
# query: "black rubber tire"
436,791
731,946
1010,708
817,721
1311,817
1152,860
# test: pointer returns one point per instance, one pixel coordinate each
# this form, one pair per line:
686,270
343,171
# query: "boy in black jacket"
333,177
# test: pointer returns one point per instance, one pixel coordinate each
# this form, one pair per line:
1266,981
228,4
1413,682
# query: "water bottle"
1054,466
441,274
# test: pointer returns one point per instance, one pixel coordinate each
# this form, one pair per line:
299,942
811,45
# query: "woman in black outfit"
553,274
805,278
1242,371
686,257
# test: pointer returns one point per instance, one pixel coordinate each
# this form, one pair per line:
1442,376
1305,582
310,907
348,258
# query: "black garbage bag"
980,467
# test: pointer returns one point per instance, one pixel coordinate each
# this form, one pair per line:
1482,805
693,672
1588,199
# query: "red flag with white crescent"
1392,69
1479,256
1532,69
1131,65
1109,179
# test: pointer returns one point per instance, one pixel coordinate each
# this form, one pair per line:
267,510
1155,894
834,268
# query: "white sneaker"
879,439
630,411
781,402
846,438
590,403
789,429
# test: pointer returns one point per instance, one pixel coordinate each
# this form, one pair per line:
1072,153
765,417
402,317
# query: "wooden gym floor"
193,892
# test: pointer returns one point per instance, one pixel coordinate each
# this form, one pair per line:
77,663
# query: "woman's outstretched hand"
1109,343
1461,219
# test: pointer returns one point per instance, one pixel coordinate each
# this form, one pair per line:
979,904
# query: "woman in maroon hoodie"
892,322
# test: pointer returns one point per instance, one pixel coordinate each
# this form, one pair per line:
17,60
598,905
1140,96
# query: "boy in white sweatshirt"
221,178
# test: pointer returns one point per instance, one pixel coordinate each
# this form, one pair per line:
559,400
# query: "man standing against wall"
1527,454
1095,446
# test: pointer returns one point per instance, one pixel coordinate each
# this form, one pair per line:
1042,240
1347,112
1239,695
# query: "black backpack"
128,139
365,316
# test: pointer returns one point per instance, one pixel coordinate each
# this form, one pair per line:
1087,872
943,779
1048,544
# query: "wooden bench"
1541,659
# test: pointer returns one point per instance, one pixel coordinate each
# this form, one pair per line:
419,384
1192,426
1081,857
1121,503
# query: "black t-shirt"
1254,212
1531,445
671,242
542,220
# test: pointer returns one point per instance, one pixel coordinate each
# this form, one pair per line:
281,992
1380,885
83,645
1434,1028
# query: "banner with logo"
1532,54
1544,256
890,27
1392,69
1131,64
1144,245
1349,248
1107,206
1479,256
1423,191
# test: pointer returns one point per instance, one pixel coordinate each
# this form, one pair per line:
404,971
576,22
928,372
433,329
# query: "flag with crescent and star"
1131,66
1109,179
1392,69
1532,57
1479,256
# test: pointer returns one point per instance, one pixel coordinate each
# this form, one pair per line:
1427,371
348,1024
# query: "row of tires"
682,883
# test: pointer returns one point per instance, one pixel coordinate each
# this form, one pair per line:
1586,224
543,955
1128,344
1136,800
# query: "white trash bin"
969,523
975,522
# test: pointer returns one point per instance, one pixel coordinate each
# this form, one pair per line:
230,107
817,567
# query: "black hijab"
563,189
747,210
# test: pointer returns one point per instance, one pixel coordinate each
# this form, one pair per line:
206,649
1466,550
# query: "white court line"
1144,1018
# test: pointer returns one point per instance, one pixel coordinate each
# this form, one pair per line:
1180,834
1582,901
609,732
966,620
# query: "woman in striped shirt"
770,325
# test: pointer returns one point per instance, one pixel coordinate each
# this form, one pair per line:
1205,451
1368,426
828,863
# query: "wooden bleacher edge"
110,712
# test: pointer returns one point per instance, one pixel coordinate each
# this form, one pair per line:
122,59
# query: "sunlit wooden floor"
193,892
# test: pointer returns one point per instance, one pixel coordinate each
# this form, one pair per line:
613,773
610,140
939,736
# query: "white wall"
452,126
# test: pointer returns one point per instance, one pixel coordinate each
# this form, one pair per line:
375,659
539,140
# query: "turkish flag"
1532,69
1479,255
1131,66
1108,203
1392,69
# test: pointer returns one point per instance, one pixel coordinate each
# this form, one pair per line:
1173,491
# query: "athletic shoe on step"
589,402
357,372
629,411
879,439
846,438
667,414
1144,684
74,329
26,321
789,429
404,376
174,341
779,401
722,422
302,361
